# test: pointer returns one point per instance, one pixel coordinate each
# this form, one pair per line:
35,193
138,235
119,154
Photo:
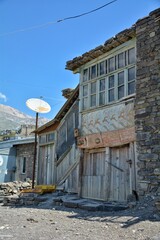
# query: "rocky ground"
47,220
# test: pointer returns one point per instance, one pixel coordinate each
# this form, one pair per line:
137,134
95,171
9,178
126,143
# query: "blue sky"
33,54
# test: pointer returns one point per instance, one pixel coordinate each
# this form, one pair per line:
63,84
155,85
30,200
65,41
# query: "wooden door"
93,176
50,164
108,173
46,165
122,173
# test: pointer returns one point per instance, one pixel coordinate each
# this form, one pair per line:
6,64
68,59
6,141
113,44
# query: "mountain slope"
11,118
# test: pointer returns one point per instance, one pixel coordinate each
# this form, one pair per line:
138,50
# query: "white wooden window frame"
106,76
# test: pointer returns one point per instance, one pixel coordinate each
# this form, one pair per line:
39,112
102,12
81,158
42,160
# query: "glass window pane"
126,58
102,98
106,67
131,74
131,87
102,85
93,100
121,60
50,137
111,81
131,56
84,103
85,90
42,139
24,165
111,95
120,92
101,68
85,75
93,87
120,78
93,71
111,64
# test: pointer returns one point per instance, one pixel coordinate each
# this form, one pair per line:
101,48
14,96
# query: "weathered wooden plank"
66,168
93,173
107,178
106,174
133,166
120,174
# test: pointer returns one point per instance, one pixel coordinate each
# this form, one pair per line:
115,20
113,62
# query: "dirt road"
60,223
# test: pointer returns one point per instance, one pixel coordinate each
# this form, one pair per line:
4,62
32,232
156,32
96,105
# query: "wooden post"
35,152
107,174
81,159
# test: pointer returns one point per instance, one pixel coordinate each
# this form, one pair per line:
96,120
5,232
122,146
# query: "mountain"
12,119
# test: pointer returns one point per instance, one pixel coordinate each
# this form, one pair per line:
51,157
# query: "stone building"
119,118
16,159
24,160
147,102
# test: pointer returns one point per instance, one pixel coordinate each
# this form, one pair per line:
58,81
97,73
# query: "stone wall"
147,104
27,151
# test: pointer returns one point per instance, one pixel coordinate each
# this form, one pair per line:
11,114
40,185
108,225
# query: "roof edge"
109,44
62,111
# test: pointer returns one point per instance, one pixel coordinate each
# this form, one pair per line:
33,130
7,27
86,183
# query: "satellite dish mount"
39,106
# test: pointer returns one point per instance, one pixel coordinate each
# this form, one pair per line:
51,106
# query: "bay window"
109,80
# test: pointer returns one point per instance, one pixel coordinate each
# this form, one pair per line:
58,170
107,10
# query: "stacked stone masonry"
147,103
27,151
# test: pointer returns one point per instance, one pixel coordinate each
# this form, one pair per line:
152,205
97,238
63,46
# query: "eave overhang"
62,111
110,44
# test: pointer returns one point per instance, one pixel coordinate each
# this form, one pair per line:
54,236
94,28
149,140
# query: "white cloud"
3,97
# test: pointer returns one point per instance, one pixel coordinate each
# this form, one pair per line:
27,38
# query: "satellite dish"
38,105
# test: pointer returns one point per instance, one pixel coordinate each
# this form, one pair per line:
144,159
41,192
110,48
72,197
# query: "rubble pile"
12,188
148,206
23,199
152,199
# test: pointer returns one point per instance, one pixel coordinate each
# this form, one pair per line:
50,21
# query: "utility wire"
28,29
58,21
80,15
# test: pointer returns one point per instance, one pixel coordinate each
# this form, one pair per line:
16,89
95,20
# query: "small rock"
141,229
26,185
15,191
2,227
32,220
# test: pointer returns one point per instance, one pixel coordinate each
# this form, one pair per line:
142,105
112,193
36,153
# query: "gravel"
47,221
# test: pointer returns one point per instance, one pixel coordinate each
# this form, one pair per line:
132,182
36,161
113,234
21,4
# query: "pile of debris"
13,188
20,193
26,199
148,206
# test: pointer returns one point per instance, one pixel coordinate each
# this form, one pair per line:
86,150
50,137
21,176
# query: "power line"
58,21
28,29
80,15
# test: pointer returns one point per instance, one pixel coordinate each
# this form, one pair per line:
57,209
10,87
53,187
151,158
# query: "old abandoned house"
24,159
16,159
119,119
58,156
